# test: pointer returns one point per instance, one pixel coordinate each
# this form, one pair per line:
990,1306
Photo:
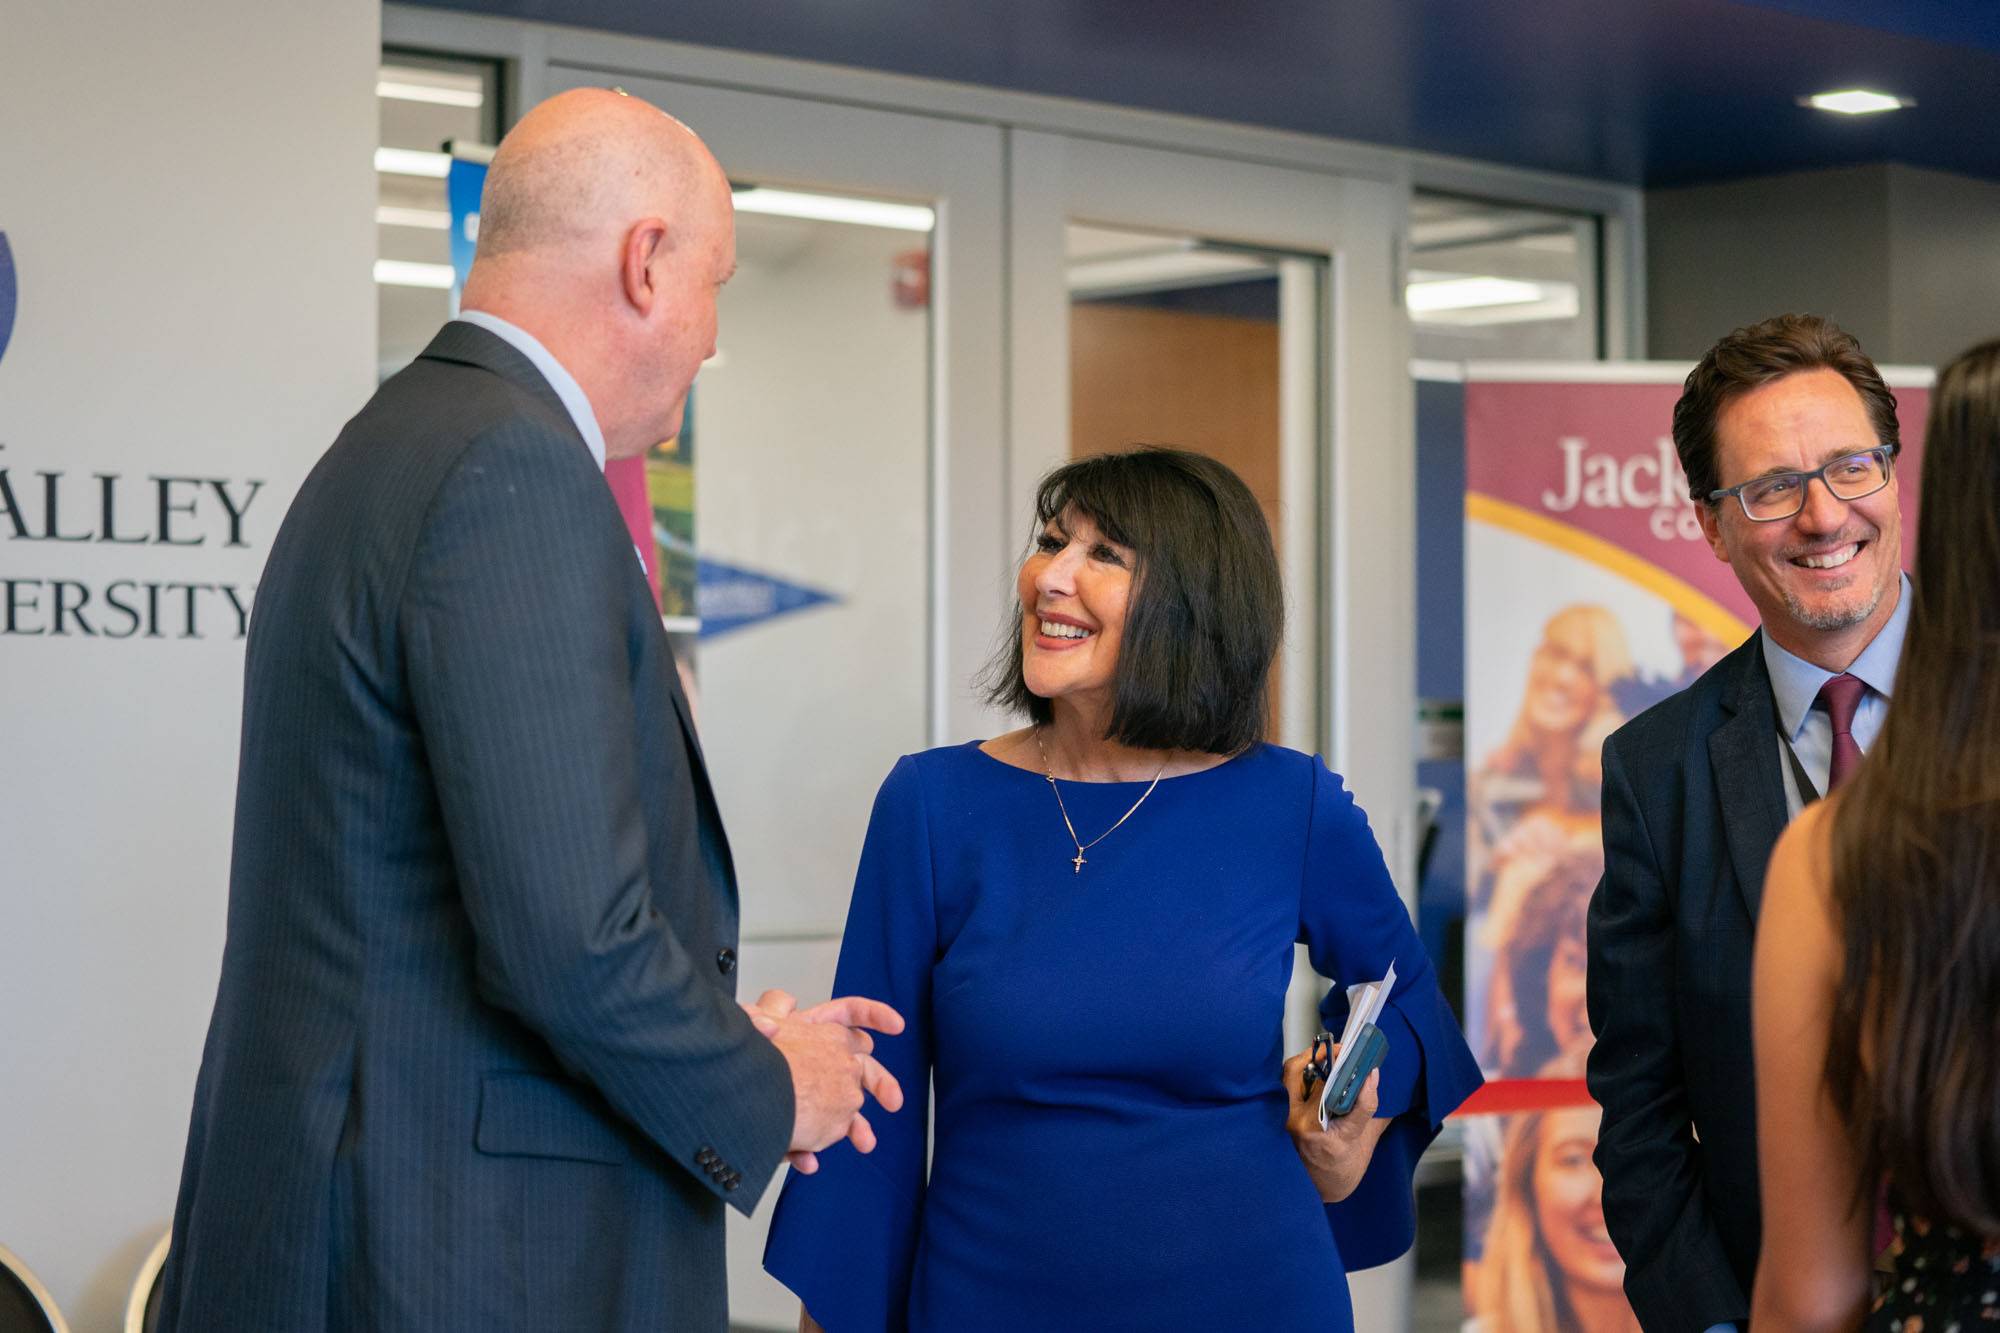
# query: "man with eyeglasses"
1788,438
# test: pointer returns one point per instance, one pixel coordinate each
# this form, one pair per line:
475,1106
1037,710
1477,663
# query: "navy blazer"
476,1061
1694,800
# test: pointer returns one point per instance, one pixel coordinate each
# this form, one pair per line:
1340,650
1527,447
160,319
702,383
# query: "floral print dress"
1941,1280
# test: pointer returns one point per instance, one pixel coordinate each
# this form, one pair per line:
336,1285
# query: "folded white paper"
1364,1005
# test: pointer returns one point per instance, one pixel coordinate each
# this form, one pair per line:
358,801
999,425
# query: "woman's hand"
1335,1157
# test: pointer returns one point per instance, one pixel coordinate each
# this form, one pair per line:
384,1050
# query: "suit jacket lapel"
1743,757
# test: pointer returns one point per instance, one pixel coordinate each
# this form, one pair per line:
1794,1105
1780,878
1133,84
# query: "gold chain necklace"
1081,847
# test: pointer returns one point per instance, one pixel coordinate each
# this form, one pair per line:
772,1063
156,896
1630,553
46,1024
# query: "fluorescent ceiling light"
1855,102
430,219
835,208
412,162
403,273
423,92
438,87
1171,269
1468,293
1469,300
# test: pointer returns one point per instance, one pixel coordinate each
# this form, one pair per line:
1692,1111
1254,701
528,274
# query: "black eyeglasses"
1781,495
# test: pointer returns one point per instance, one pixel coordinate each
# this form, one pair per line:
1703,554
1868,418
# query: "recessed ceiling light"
1856,102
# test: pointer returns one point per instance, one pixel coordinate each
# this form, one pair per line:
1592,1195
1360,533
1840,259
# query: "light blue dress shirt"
1795,683
552,370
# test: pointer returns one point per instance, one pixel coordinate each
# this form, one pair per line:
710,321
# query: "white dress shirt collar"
552,370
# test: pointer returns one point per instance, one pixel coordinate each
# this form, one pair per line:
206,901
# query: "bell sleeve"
1354,925
844,1239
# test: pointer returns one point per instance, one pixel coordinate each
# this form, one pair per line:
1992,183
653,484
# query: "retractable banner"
1590,595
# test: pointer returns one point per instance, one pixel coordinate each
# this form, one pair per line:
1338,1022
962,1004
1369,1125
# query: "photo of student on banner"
1535,1008
1533,803
1538,1259
1547,1264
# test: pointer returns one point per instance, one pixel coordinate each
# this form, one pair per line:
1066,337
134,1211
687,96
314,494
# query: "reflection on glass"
424,102
1495,281
1180,341
812,521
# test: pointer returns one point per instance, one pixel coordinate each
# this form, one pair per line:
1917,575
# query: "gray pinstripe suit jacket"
475,1061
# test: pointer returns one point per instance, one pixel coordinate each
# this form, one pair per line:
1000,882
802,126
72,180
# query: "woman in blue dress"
1089,925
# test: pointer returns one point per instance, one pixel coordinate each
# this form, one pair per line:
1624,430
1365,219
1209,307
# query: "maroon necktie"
1840,696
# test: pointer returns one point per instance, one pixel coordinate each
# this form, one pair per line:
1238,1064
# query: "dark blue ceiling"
1647,92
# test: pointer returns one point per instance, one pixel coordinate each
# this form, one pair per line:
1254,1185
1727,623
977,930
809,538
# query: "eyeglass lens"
1849,478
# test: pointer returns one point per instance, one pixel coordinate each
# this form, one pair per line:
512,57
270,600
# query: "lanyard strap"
1808,793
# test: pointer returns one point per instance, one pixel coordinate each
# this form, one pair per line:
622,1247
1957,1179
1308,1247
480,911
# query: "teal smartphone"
1372,1046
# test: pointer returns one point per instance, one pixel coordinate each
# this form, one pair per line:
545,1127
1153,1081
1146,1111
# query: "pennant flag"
732,598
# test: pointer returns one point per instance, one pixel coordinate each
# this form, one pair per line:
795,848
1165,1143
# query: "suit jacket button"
706,1156
725,960
731,1183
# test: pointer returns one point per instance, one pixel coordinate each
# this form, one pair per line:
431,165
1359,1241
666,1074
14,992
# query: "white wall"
188,193
1944,260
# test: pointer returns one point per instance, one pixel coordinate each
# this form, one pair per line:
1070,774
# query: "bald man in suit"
476,1060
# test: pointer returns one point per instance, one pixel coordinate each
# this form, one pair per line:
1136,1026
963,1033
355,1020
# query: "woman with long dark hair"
1877,990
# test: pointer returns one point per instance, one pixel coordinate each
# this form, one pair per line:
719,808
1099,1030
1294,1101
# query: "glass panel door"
1500,281
836,492
1178,340
425,102
1300,268
1252,313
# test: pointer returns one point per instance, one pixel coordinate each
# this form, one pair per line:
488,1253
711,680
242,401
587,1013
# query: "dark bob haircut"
1207,609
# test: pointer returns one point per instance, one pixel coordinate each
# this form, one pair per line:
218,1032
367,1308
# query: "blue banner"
462,186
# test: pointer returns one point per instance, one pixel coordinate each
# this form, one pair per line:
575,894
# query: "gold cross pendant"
1079,864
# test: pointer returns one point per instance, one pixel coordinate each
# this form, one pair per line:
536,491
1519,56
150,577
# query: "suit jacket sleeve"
517,620
1677,1274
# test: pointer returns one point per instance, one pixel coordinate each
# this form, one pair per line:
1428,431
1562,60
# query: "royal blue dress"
1105,1048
